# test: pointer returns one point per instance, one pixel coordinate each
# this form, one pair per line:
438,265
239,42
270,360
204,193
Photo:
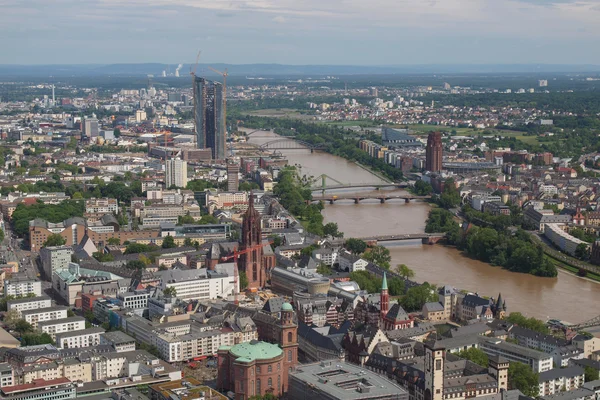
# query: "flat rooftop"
347,381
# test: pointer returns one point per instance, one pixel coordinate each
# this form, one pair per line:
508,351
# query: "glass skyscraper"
209,117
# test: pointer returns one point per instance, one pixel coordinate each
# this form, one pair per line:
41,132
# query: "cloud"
281,19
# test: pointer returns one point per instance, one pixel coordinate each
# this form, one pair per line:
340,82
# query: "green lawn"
423,129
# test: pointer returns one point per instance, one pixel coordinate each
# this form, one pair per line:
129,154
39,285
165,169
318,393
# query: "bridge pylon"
324,178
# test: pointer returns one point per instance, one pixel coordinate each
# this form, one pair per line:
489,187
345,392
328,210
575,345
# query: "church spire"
384,283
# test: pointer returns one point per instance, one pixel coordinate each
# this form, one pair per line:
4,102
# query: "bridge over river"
426,238
357,198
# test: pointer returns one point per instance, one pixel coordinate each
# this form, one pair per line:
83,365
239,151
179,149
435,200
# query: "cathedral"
253,255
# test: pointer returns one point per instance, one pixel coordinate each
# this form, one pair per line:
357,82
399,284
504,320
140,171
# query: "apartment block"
28,303
21,287
78,339
44,314
61,325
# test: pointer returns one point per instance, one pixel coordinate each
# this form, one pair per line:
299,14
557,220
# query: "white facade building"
61,325
28,303
176,173
78,339
44,314
22,287
54,258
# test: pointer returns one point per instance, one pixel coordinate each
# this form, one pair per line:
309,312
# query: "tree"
208,219
522,377
114,241
591,373
404,271
1,235
134,248
23,326
475,355
331,229
379,255
117,133
582,251
168,242
417,296
324,269
243,280
355,246
33,339
70,313
135,264
530,323
170,291
54,239
103,257
77,196
185,219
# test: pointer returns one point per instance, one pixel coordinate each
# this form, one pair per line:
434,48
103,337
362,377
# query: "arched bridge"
289,144
359,197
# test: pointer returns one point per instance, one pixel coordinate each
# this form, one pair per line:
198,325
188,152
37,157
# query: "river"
566,297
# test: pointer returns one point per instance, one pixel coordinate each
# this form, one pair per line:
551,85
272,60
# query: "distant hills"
262,70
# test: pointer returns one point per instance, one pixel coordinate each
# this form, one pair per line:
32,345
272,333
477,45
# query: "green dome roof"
255,350
286,307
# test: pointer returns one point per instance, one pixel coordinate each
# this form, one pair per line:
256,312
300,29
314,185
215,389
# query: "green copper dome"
255,350
286,307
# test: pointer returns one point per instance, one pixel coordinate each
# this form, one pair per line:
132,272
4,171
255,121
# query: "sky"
336,32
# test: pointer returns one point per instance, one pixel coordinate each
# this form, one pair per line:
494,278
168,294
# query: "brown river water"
566,297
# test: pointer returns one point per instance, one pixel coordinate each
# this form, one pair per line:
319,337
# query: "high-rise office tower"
209,117
434,152
176,173
232,177
90,127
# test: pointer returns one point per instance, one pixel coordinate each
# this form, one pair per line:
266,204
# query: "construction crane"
224,75
236,254
193,73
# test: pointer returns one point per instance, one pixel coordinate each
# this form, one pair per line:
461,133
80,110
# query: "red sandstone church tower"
434,152
384,302
251,261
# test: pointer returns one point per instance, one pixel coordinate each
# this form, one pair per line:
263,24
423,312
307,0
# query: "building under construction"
209,117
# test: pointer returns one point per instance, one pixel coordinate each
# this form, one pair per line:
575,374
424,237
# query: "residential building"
351,262
176,173
61,325
562,239
333,380
97,208
535,340
539,218
120,341
77,339
6,375
209,117
54,258
561,379
44,314
28,303
22,286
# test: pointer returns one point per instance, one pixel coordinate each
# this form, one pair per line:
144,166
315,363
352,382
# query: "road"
27,259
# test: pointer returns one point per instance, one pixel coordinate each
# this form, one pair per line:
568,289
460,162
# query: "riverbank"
444,265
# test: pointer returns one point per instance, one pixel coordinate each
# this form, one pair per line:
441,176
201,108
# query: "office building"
209,117
41,389
90,128
434,152
232,177
176,173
